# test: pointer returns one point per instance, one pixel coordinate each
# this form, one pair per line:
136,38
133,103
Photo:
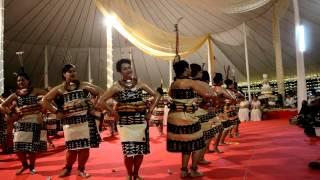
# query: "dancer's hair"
120,62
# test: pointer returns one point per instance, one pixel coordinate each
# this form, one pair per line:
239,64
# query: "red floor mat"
270,149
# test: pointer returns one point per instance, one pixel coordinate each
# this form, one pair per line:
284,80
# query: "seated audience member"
290,102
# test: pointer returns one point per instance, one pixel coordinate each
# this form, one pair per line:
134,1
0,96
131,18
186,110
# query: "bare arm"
46,101
153,93
105,96
169,91
202,88
40,91
93,89
224,93
4,105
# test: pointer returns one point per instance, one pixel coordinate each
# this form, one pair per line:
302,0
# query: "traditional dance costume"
79,126
207,119
52,124
231,114
158,112
184,128
132,126
29,135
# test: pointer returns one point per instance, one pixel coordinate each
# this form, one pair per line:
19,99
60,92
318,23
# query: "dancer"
109,118
217,126
235,132
223,95
184,129
229,111
206,118
27,128
132,124
158,113
7,136
79,126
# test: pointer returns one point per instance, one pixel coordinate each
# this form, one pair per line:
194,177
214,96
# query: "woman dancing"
79,125
184,128
132,121
27,128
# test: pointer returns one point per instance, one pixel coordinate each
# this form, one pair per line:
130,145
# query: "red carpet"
267,150
279,114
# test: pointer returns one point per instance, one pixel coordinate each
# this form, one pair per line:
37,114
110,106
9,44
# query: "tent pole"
89,66
109,56
301,77
277,49
1,46
210,61
46,75
170,72
247,58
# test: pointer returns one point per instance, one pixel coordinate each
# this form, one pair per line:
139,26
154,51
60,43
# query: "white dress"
255,112
244,111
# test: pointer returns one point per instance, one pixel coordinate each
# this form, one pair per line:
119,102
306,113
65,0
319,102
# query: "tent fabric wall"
78,24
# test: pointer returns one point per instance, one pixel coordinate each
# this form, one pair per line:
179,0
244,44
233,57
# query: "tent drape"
147,37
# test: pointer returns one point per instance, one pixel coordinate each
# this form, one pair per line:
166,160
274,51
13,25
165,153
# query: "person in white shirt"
290,102
243,113
255,109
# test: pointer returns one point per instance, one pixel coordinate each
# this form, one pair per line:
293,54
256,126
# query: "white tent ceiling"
70,27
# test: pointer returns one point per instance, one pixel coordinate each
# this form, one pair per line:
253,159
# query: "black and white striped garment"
80,130
132,126
28,134
184,128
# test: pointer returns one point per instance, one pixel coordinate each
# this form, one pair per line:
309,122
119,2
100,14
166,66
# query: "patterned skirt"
206,120
157,116
29,136
77,132
184,133
52,126
218,127
226,123
134,133
95,138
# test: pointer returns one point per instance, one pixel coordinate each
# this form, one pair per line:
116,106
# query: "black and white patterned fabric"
182,123
78,144
95,138
129,118
80,129
183,129
132,126
158,112
130,96
218,128
73,95
52,126
29,135
75,119
183,94
26,100
206,123
135,148
226,123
